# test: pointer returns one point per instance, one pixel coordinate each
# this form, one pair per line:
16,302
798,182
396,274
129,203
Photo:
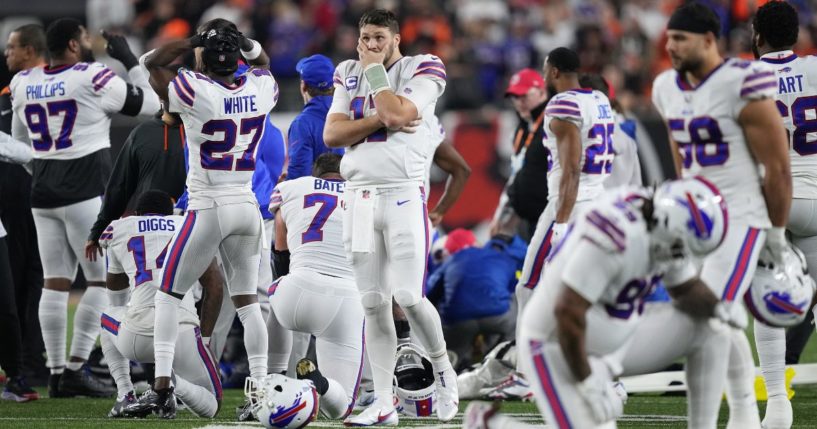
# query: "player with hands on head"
222,212
64,110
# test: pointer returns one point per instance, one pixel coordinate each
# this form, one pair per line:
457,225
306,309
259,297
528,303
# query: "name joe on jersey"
46,90
156,224
239,104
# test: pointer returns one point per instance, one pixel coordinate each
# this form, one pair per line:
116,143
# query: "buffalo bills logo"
351,83
283,416
699,222
780,303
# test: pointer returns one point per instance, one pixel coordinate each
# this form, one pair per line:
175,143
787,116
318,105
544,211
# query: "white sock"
740,379
165,332
426,325
771,351
706,370
200,400
255,339
381,343
335,403
279,341
53,313
86,321
118,365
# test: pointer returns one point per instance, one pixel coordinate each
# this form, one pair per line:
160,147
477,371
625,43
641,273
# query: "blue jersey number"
804,124
210,149
136,245
358,106
602,150
37,120
706,145
631,298
328,204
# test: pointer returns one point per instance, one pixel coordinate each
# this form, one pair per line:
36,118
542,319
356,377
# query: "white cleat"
513,387
478,413
448,400
374,416
778,413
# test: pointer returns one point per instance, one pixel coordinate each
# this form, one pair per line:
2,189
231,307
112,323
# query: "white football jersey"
605,258
590,111
389,158
67,110
311,211
797,102
223,125
137,246
626,168
704,123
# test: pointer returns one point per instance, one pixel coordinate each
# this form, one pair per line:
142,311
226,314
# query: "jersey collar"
780,57
57,69
685,86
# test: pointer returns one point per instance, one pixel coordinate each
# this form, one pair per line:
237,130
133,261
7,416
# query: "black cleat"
17,389
162,403
54,386
305,369
118,410
82,383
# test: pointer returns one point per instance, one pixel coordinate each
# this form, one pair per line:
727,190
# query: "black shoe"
243,413
54,386
18,390
82,383
161,403
306,369
119,407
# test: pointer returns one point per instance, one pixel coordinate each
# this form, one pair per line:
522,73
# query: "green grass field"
642,411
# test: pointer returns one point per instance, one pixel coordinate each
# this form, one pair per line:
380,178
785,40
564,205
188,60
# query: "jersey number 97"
37,121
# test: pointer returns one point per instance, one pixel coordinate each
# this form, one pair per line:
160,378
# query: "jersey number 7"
328,205
213,155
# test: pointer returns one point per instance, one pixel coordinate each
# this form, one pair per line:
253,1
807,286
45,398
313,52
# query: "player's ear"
397,39
73,45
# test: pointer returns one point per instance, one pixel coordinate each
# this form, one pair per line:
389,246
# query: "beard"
689,65
551,90
389,53
86,55
755,52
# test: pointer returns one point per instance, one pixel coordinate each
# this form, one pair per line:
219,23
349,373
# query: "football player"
224,117
385,217
580,317
317,295
723,125
776,27
136,247
64,110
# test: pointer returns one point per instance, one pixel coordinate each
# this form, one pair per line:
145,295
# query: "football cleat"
448,400
365,398
162,403
119,407
514,387
305,369
478,413
374,416
18,390
778,413
82,383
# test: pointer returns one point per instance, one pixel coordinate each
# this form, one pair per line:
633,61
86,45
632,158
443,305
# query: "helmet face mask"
414,388
282,402
781,296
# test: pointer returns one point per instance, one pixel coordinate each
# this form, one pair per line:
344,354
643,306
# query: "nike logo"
400,203
381,418
5,112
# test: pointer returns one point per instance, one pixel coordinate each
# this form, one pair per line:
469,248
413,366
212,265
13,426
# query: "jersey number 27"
213,155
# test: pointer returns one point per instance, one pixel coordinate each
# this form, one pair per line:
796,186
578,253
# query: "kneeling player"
136,248
580,316
318,293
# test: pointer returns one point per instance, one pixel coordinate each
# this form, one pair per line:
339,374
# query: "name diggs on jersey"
156,224
37,92
239,104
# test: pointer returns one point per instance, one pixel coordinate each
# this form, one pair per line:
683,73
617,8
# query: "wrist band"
254,53
377,77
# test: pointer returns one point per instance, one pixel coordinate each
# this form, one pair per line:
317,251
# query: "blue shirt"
478,282
306,137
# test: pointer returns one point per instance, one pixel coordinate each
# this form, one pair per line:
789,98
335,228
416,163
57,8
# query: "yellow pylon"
760,386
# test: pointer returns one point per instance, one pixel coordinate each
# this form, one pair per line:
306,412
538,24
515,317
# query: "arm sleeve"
277,198
180,92
115,95
121,186
301,150
114,266
591,283
19,131
567,108
758,83
341,100
13,150
680,274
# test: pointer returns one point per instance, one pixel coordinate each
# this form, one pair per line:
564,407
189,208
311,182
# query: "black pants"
797,338
11,357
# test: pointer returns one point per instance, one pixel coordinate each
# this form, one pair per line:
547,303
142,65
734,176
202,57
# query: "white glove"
557,232
599,393
775,246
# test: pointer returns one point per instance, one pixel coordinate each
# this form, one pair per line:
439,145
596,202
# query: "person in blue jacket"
474,293
306,131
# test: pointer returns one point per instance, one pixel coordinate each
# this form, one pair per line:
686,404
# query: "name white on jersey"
590,111
310,209
704,123
137,246
223,125
66,109
797,102
388,157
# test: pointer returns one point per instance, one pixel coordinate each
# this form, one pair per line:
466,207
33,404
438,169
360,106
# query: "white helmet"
282,402
414,391
781,296
689,219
